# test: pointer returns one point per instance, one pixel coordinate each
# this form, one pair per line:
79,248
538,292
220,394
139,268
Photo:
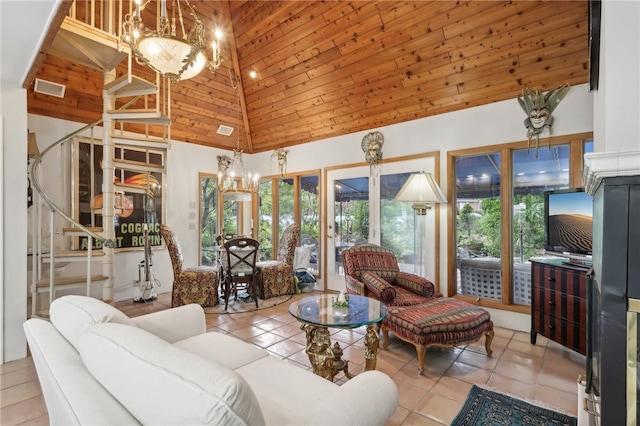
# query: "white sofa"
97,366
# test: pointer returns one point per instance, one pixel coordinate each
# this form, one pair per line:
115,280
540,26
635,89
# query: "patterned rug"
484,407
246,304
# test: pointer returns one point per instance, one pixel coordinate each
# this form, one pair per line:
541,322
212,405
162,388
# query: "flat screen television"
568,216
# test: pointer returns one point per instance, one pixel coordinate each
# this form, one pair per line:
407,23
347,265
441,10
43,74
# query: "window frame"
576,164
275,205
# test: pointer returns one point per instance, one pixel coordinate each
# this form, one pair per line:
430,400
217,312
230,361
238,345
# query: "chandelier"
178,58
235,184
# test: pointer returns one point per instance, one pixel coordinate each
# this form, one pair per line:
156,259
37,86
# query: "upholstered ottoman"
442,322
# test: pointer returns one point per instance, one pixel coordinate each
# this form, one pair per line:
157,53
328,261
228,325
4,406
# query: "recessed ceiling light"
542,172
253,73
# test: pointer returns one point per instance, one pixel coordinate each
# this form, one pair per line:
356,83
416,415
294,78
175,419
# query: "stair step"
73,231
85,45
137,166
141,142
140,116
132,189
123,88
72,255
79,281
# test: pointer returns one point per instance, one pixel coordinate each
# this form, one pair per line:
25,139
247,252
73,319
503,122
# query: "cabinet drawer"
565,332
562,280
561,305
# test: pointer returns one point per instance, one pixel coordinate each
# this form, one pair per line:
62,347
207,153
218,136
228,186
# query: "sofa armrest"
370,398
415,284
174,324
354,286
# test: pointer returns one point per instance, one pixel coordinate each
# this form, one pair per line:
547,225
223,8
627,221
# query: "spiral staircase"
58,238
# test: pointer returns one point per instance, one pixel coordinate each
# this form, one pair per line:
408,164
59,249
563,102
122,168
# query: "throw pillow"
415,284
379,288
72,314
160,383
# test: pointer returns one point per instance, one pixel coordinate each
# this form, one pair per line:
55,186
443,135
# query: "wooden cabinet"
559,303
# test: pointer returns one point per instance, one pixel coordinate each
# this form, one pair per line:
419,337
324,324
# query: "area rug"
485,407
246,304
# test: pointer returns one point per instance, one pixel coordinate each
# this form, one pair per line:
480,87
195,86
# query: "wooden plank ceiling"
331,68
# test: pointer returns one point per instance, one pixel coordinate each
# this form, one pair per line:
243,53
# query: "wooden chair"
239,266
196,284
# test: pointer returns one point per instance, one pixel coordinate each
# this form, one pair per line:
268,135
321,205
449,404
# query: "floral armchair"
196,284
277,277
373,271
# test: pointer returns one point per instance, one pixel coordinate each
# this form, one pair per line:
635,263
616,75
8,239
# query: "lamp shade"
32,145
168,55
420,188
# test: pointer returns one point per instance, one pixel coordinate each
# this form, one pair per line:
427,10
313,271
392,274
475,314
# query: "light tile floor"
546,372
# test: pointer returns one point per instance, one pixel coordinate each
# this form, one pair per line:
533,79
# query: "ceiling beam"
236,70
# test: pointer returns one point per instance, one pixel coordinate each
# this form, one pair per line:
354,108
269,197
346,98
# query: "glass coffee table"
317,314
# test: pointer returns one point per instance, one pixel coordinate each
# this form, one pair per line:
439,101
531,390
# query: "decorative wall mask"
224,163
372,147
538,106
281,158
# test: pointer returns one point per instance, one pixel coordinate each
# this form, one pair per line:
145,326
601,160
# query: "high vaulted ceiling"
330,68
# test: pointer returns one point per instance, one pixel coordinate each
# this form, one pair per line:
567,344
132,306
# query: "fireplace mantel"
599,165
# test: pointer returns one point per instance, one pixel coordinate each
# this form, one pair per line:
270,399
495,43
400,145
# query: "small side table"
317,314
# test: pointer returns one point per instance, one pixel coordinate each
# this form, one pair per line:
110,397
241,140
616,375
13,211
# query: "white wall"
13,101
23,26
617,100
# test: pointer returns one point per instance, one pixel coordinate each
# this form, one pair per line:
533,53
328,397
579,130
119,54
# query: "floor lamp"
421,190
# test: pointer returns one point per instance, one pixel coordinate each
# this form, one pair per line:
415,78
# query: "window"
265,219
530,178
211,217
498,215
310,218
208,218
397,222
478,204
290,199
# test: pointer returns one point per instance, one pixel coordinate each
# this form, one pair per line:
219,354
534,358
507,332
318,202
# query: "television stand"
559,303
578,263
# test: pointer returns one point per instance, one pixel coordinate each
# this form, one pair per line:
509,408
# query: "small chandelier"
235,184
178,58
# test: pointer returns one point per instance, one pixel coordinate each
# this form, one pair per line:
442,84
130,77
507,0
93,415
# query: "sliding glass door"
360,209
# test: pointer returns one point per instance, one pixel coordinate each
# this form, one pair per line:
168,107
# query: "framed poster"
134,210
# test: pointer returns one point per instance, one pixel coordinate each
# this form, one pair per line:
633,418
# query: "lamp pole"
421,216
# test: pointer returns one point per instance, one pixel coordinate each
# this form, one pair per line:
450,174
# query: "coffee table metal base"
327,361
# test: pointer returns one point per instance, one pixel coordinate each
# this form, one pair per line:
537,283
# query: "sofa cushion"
378,288
160,383
236,353
71,315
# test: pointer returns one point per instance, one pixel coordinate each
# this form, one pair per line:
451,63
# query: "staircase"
82,233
